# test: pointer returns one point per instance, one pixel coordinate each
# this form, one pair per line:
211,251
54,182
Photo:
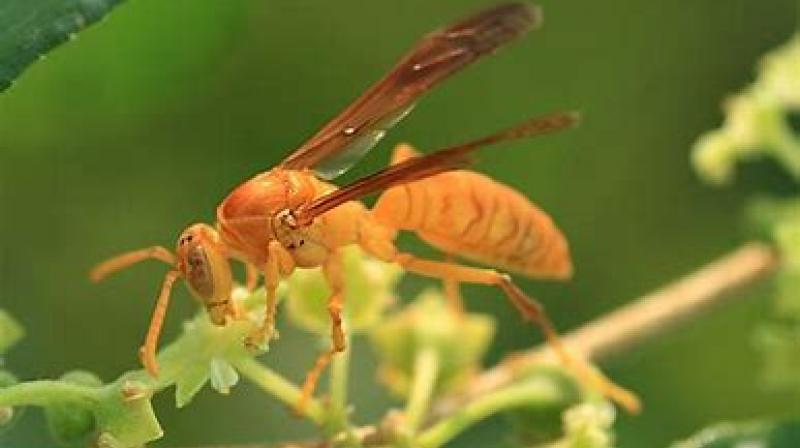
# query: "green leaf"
203,352
189,383
172,50
31,28
746,434
125,416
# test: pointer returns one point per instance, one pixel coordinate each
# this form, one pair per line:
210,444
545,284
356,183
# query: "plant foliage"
29,29
761,121
424,349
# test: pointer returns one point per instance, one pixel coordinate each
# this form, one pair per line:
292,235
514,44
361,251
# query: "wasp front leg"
334,274
147,353
278,266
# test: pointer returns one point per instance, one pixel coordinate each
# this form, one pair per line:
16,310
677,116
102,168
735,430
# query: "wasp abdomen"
470,215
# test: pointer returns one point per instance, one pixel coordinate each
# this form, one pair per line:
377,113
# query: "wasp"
291,217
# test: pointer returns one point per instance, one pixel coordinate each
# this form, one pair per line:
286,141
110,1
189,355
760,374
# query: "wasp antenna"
123,261
459,156
530,128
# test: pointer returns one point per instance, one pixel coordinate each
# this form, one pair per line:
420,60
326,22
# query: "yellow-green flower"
458,340
369,286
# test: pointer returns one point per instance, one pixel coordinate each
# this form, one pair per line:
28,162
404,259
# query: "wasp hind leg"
530,311
334,274
452,290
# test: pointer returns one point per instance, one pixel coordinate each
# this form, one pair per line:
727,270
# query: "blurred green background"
142,125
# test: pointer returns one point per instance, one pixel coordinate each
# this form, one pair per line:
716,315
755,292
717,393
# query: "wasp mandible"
291,217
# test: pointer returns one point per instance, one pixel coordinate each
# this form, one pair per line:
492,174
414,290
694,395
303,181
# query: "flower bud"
540,420
780,73
72,423
458,340
223,376
714,157
589,424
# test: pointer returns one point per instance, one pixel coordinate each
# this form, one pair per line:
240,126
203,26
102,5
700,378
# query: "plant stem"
661,310
541,393
279,387
426,370
640,321
338,413
45,392
635,323
340,369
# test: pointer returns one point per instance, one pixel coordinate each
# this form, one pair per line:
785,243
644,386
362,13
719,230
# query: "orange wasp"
290,217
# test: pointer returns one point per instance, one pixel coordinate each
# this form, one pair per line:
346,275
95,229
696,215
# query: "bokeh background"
142,125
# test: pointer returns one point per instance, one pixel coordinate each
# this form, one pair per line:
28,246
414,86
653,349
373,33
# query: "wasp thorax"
206,270
285,229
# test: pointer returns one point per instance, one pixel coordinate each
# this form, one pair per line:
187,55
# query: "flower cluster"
760,121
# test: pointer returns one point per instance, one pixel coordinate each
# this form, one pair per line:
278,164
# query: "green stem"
340,370
279,387
339,420
539,393
426,370
45,392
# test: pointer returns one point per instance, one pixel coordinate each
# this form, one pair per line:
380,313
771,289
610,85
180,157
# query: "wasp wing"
346,138
416,168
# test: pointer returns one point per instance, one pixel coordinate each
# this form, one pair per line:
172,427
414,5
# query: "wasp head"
201,260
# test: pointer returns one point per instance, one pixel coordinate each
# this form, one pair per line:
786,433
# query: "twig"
633,324
640,321
659,311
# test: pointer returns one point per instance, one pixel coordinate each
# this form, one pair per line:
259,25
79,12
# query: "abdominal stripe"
476,204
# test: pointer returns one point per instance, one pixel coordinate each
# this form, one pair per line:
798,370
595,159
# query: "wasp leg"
147,353
452,291
251,277
272,276
334,274
530,310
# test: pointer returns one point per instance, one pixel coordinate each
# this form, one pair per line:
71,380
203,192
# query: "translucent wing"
430,164
346,138
359,145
